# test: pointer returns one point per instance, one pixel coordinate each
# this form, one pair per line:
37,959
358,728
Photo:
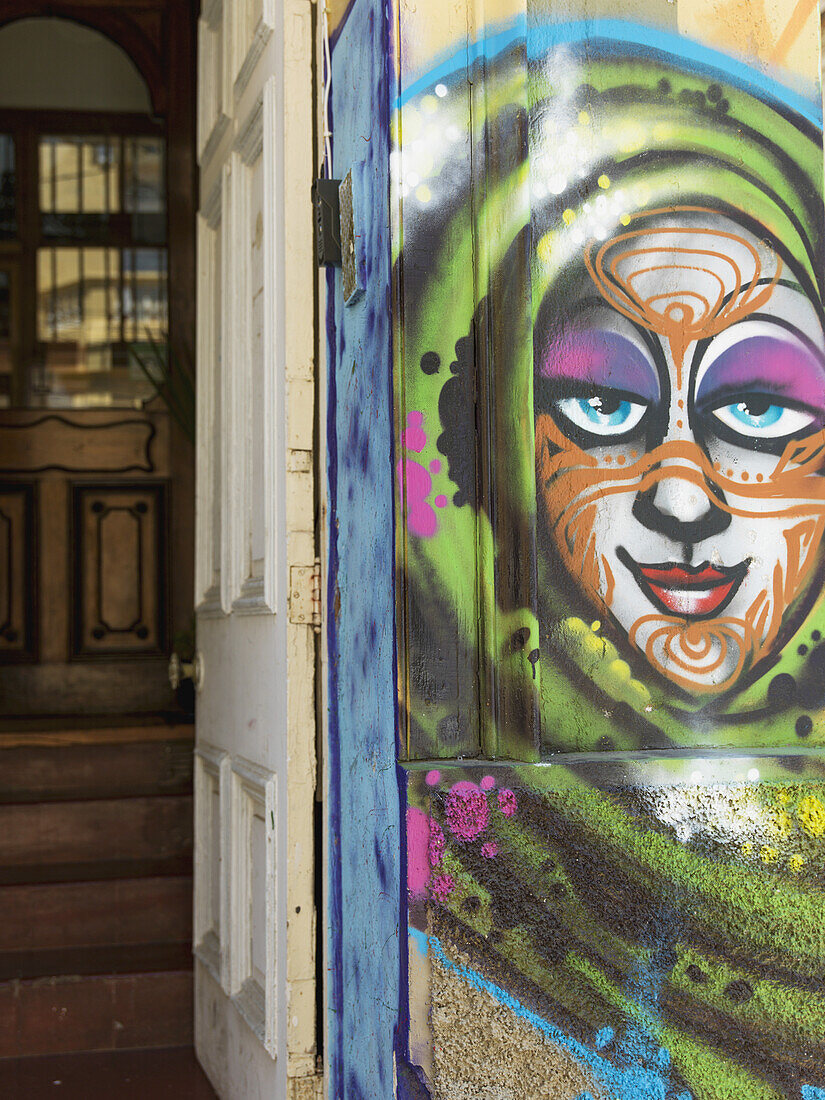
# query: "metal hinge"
305,595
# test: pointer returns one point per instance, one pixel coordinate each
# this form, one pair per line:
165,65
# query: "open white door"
255,759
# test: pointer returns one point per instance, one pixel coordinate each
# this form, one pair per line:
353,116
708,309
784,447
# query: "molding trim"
145,465
216,136
211,205
210,606
212,12
252,600
207,502
260,37
253,796
250,140
212,768
235,369
273,364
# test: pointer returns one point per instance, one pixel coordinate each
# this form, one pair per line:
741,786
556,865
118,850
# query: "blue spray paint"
625,1081
365,853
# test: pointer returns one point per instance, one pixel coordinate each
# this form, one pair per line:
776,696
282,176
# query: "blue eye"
758,416
605,413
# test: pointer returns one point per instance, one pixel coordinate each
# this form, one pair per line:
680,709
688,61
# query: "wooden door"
96,503
255,764
84,561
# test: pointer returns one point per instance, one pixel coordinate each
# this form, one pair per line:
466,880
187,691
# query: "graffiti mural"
610,439
639,931
612,402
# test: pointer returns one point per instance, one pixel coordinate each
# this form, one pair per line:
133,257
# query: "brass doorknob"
186,670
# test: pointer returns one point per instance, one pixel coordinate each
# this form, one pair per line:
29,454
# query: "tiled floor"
124,1075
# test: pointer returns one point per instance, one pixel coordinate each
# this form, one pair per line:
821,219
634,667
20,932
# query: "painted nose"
681,499
682,510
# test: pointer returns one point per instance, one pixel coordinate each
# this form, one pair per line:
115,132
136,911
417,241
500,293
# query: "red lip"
678,576
691,591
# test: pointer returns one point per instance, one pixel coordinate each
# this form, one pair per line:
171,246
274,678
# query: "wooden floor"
111,1075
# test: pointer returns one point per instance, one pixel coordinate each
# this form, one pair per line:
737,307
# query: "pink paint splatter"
418,840
432,778
425,850
441,501
489,850
421,519
507,802
487,783
467,812
414,437
443,886
435,848
435,466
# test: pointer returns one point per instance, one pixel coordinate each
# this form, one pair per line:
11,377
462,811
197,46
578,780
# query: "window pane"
8,182
144,293
81,182
92,304
6,360
65,165
143,188
102,277
79,175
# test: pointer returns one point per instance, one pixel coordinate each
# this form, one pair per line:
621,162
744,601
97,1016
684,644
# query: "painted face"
679,442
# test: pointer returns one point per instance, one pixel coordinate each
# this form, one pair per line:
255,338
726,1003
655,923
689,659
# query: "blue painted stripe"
606,35
427,944
631,1082
490,46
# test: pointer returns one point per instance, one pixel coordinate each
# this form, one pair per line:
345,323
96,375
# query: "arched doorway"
96,365
97,197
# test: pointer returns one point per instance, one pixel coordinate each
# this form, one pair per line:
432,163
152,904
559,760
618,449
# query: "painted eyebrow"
774,365
599,357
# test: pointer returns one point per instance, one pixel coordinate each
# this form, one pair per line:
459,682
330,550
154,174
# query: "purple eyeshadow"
766,364
602,359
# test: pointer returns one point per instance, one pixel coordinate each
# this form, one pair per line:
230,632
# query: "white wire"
326,167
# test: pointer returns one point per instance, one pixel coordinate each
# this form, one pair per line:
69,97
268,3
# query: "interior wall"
34,73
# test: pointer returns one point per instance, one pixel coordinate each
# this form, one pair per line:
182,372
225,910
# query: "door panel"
118,569
33,443
18,583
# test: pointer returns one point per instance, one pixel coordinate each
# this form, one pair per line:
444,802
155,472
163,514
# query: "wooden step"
138,958
117,1012
96,870
161,1074
95,914
40,771
50,833
95,728
95,887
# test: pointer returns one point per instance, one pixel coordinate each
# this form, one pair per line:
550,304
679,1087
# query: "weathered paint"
609,400
601,517
364,814
657,921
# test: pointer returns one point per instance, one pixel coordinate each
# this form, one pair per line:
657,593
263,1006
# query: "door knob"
186,670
